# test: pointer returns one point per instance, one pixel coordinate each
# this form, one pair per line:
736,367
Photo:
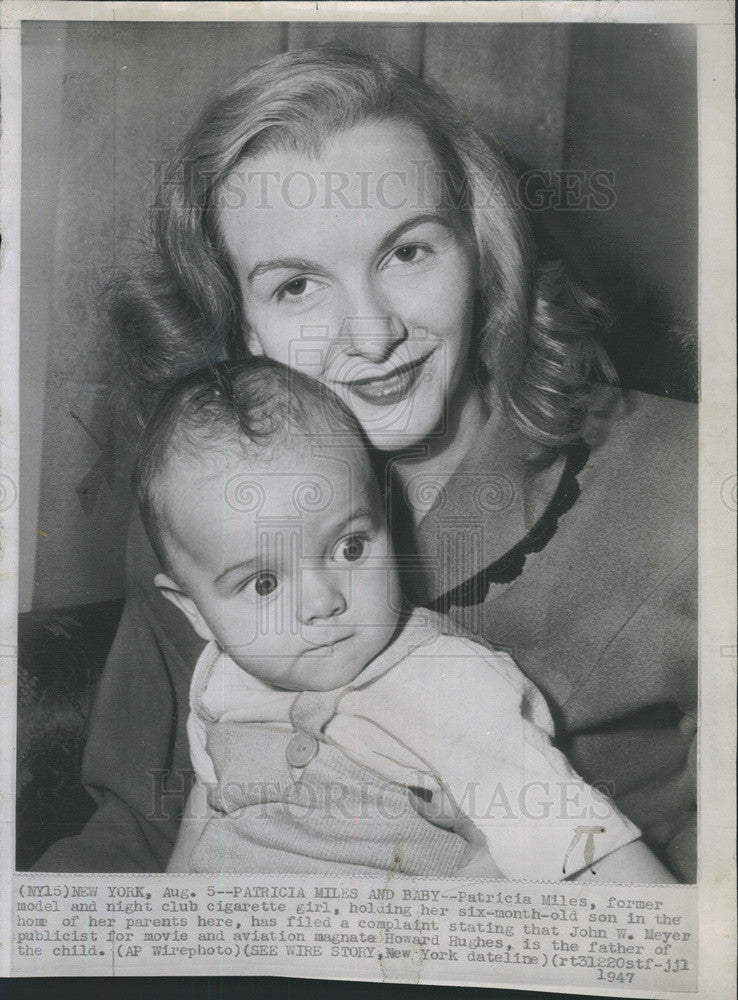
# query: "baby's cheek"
242,637
378,596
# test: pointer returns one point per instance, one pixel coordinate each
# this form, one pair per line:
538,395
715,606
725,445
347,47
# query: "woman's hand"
440,809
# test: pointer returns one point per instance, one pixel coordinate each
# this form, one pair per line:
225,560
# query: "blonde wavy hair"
537,339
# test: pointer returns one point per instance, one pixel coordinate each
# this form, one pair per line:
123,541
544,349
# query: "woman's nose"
372,329
321,596
372,337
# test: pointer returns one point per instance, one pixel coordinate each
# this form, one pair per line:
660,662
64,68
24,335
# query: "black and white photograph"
366,420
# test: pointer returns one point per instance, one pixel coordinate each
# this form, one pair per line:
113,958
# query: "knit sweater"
303,781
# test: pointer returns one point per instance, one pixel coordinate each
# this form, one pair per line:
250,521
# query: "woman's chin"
400,427
397,442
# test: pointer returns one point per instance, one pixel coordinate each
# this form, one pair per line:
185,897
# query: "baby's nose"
321,596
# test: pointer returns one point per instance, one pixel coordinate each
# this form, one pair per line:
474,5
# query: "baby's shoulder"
459,655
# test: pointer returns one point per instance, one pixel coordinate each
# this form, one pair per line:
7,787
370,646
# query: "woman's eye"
263,584
297,288
352,549
410,253
406,254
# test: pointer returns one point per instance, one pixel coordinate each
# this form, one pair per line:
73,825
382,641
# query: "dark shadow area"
60,659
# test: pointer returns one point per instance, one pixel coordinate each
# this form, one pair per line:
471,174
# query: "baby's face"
286,563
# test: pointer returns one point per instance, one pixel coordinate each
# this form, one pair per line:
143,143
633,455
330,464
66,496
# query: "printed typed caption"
638,937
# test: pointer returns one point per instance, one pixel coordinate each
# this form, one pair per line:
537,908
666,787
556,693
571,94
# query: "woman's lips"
390,388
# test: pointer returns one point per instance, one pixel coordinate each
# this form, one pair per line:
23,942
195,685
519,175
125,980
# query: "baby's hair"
239,408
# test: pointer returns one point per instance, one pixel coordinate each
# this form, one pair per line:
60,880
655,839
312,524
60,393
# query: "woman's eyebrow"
359,514
305,264
282,264
412,223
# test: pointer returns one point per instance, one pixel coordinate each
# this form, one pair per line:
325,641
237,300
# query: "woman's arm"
196,815
476,862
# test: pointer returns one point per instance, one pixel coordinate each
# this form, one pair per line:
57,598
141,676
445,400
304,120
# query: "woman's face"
356,270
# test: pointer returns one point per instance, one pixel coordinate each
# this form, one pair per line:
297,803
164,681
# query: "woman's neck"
439,456
436,460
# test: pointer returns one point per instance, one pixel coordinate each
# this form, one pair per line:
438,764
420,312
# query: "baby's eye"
352,549
262,585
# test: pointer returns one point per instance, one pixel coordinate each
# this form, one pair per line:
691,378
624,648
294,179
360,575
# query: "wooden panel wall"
402,42
511,78
127,91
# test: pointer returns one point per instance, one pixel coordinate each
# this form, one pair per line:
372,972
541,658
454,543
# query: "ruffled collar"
510,565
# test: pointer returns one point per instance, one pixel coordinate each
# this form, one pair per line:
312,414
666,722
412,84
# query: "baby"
333,729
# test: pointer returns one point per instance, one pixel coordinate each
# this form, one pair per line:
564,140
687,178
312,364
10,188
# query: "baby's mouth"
324,648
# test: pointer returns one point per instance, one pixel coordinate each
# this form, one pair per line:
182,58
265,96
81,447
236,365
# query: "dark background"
254,988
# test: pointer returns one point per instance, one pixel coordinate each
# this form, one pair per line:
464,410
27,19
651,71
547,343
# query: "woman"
337,214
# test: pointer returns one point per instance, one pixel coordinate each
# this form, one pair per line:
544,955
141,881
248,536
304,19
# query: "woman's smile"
388,388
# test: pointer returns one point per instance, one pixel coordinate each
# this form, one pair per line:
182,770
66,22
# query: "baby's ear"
186,605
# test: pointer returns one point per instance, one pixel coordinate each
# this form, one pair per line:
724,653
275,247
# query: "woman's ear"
186,605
